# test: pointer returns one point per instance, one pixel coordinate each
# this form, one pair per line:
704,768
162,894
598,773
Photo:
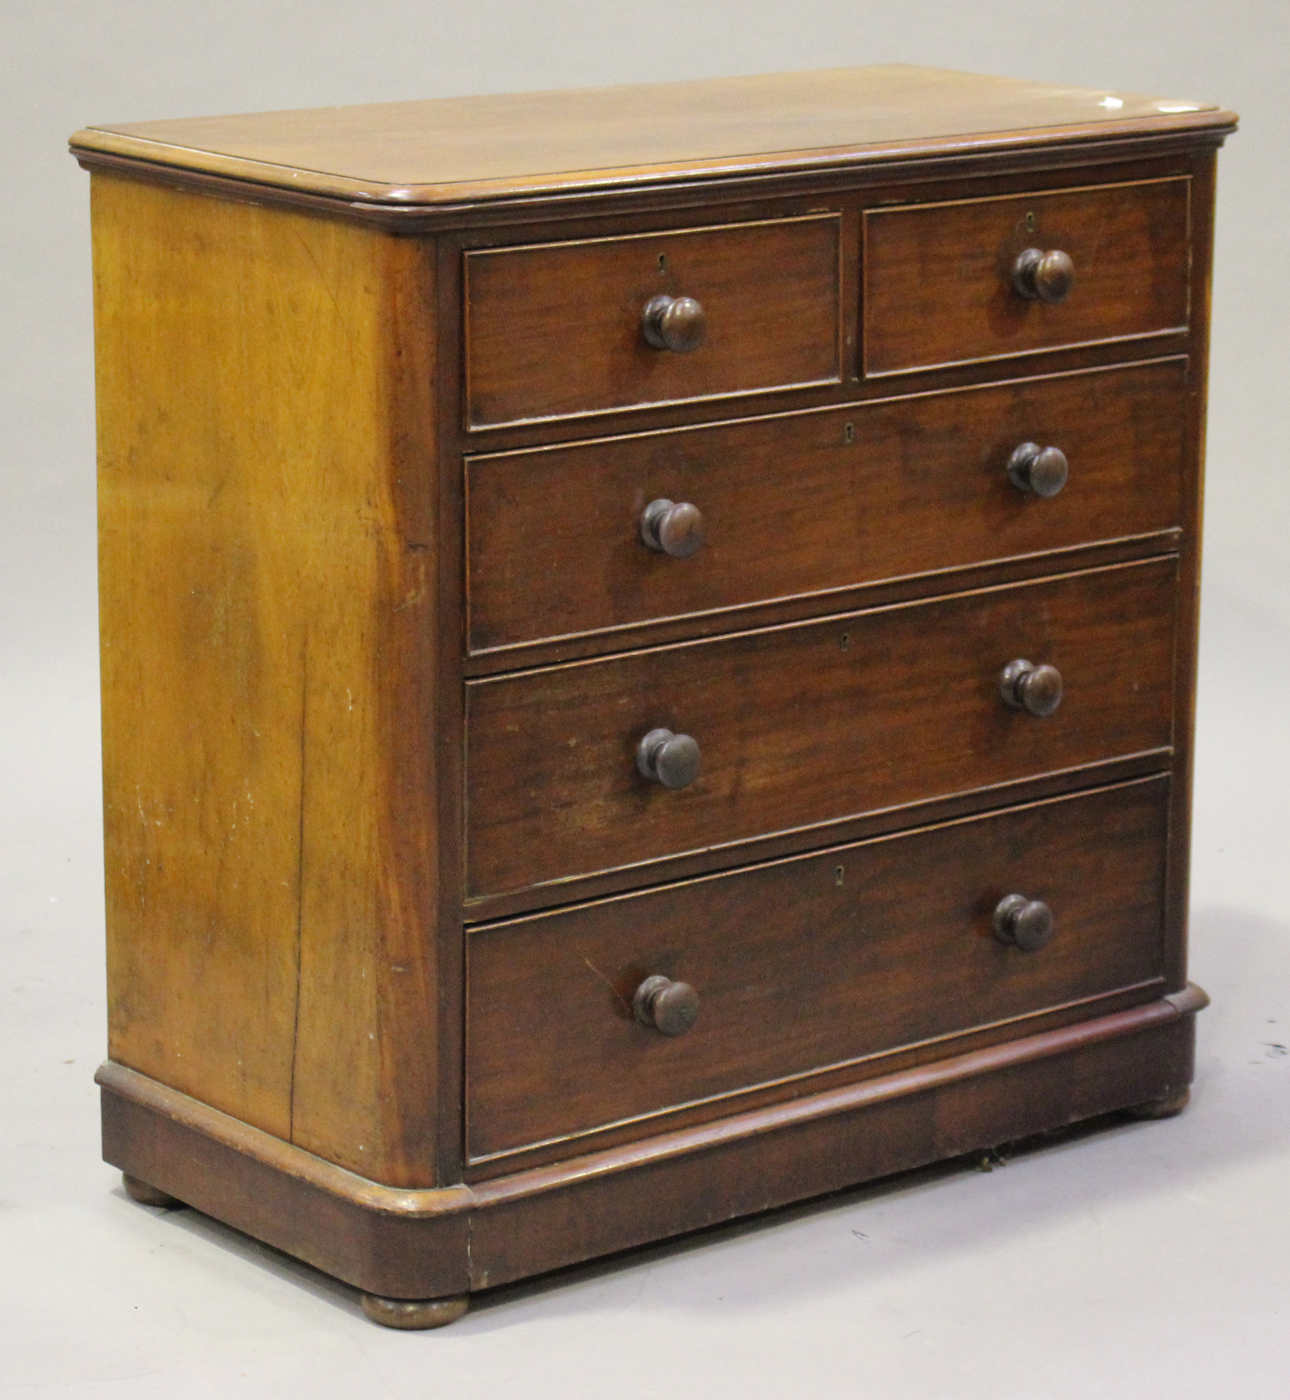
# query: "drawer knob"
1035,689
1040,470
671,759
1025,923
1040,276
672,527
674,323
667,1006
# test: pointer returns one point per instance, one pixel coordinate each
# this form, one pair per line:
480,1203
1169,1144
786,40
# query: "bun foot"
148,1195
1168,1107
414,1315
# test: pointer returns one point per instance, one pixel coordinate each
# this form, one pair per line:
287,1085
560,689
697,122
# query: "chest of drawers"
648,651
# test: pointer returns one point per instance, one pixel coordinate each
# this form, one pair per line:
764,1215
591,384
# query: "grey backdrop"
1143,1261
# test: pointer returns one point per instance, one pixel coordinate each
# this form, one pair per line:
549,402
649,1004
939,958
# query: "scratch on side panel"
326,286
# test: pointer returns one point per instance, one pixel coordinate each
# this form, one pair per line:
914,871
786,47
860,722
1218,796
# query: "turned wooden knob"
674,323
1040,276
1035,689
667,1006
672,527
1025,923
1039,470
671,759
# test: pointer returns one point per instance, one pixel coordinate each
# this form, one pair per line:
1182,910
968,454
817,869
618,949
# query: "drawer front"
810,723
807,963
938,277
803,503
555,330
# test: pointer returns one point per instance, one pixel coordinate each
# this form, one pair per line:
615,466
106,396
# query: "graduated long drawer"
810,723
800,504
809,963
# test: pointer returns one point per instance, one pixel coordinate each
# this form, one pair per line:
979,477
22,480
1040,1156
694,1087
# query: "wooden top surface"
450,150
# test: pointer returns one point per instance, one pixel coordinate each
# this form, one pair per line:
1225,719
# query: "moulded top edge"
450,150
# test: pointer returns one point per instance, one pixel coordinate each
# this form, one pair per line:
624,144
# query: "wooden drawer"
554,330
810,723
803,503
938,277
807,963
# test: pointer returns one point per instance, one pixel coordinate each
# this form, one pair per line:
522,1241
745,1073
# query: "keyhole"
849,433
1031,222
662,262
844,641
838,875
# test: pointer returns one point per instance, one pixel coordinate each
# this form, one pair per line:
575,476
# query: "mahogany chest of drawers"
648,650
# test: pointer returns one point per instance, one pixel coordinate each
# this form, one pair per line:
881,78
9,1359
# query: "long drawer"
810,723
555,330
939,285
807,963
804,503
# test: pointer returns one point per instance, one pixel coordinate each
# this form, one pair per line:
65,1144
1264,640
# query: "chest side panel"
264,412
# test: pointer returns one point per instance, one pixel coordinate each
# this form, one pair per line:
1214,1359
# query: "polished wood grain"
432,1243
267,593
490,147
809,724
807,963
770,298
938,278
803,504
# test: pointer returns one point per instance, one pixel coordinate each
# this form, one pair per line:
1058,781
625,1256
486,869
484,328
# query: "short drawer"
804,503
810,723
939,278
808,963
555,330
